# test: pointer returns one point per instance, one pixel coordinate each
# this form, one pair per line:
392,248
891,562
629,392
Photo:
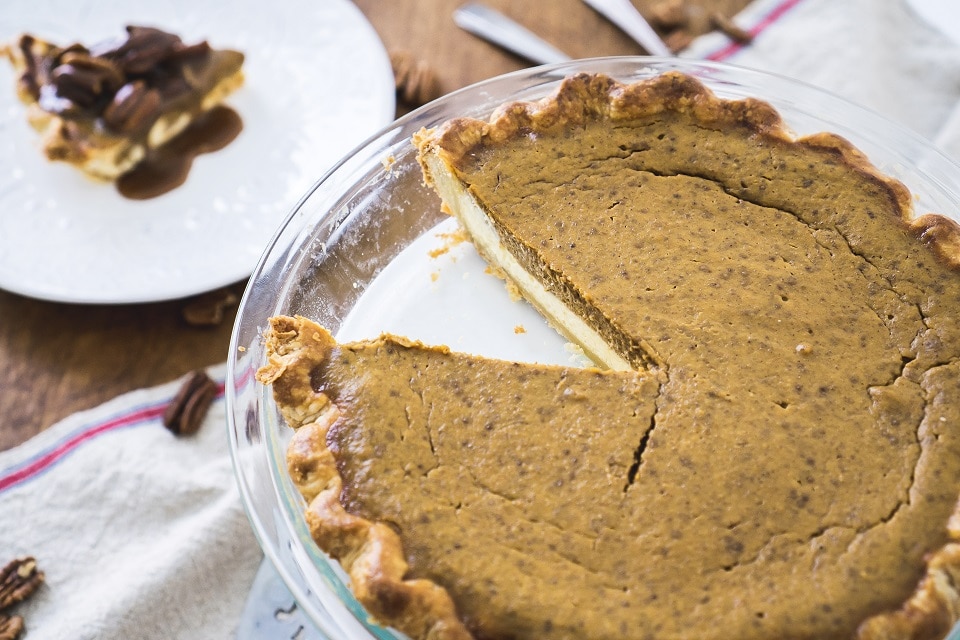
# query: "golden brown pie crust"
599,97
923,387
370,552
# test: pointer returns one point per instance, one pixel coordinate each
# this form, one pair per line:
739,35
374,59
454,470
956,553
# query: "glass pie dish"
369,250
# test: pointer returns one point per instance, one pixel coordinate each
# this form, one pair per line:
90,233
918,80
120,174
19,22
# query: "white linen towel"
140,534
877,53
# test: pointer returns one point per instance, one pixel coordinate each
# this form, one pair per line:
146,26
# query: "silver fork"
623,14
497,28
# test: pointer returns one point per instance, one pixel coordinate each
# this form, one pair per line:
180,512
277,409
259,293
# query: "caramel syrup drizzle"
167,167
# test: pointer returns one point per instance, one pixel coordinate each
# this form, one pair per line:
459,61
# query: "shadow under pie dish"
768,472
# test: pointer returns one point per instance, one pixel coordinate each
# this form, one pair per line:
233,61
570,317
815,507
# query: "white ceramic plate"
318,82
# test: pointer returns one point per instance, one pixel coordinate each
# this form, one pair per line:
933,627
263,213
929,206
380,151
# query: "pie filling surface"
783,461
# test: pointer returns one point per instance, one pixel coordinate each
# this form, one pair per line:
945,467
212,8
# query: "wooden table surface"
56,359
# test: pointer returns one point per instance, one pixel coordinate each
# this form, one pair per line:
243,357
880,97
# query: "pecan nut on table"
18,580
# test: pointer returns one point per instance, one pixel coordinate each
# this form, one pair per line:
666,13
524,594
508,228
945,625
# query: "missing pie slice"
785,462
104,108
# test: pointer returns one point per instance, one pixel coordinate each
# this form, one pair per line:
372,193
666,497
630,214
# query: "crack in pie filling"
773,452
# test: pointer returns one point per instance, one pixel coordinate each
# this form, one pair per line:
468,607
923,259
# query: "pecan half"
209,309
134,108
678,40
84,80
415,82
105,76
144,48
724,24
10,627
76,85
670,14
189,407
18,579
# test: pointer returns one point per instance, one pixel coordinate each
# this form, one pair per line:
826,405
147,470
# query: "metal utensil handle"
623,14
497,28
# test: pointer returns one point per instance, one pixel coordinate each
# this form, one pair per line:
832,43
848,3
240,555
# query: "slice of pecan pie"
103,108
794,467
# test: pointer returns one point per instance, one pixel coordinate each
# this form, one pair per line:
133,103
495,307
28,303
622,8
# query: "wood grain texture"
425,28
56,359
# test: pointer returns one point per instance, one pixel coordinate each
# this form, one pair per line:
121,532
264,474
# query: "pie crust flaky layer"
779,456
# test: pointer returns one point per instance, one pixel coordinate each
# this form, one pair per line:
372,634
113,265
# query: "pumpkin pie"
773,452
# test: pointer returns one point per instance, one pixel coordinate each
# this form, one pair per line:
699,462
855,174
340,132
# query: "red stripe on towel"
45,459
775,14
